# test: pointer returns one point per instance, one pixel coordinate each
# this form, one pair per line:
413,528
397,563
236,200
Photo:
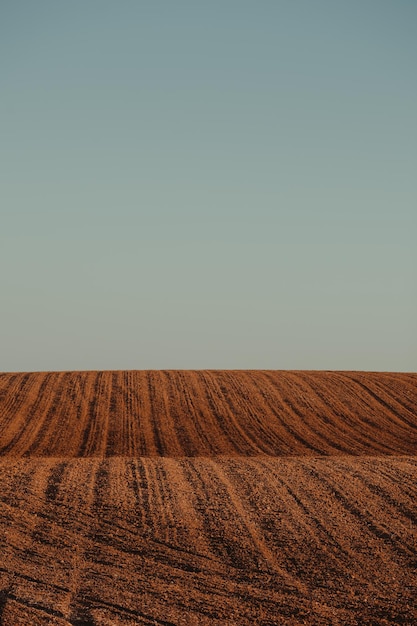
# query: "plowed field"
208,497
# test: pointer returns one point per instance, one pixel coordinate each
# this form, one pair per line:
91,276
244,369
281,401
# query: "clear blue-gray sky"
221,184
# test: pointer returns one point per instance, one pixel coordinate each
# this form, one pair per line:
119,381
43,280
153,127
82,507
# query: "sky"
223,185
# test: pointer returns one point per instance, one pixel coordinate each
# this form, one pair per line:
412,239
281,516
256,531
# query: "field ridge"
174,413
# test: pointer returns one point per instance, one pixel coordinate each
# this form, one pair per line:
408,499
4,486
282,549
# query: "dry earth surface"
208,498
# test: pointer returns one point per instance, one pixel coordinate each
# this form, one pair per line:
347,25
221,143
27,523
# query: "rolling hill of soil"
208,497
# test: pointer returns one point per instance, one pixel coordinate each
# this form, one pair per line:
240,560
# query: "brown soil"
208,497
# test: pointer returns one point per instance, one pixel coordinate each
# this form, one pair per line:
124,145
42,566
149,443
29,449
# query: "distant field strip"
206,413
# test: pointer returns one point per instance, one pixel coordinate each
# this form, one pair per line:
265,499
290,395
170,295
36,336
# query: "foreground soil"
208,497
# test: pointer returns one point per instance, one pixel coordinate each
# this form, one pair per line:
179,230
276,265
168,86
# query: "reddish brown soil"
208,497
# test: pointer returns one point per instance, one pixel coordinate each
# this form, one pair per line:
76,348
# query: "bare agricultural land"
210,497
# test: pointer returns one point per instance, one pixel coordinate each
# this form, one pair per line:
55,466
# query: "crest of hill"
192,413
